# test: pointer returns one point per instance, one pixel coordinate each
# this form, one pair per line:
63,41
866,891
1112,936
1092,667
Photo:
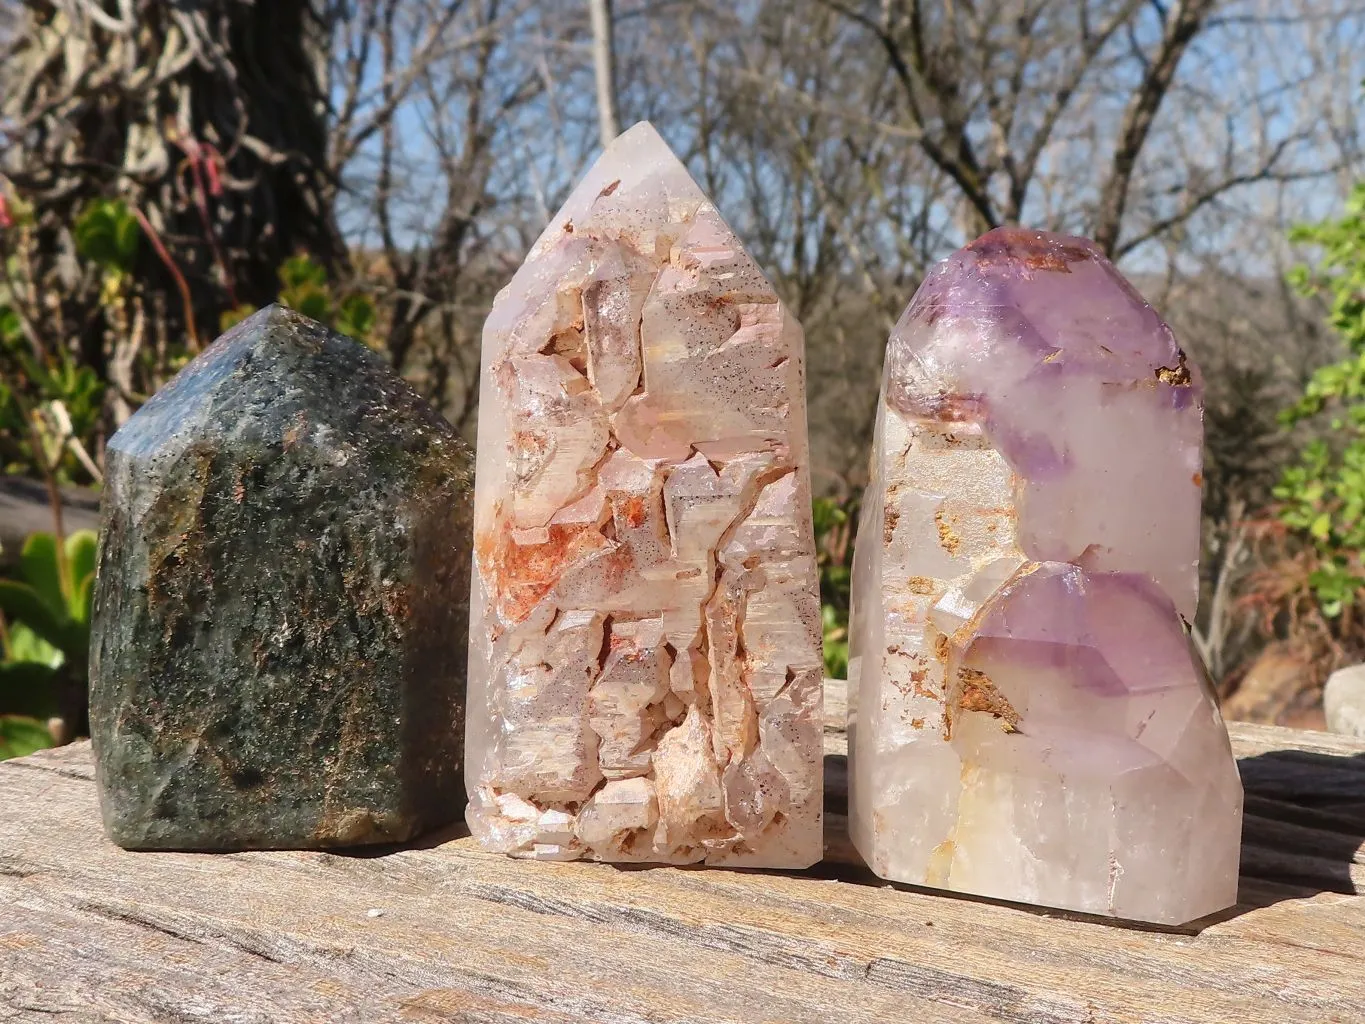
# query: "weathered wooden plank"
91,933
1250,739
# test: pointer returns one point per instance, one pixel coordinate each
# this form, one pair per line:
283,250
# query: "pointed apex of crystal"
1022,276
645,651
637,180
642,147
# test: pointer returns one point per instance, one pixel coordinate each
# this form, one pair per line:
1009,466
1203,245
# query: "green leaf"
1323,495
27,688
234,316
84,400
81,602
827,514
28,647
127,234
11,327
20,736
38,564
1321,527
75,645
356,317
301,271
107,233
21,603
835,628
311,302
81,548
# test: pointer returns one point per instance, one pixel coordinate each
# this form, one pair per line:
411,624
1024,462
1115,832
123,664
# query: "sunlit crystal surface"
284,568
645,669
1028,720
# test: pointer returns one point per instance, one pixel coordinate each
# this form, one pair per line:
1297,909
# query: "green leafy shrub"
70,403
304,287
834,521
44,636
1323,495
107,233
51,403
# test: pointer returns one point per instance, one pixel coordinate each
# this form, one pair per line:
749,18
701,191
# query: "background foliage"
1315,588
383,165
45,642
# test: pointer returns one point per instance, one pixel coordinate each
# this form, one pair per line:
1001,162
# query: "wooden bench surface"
441,931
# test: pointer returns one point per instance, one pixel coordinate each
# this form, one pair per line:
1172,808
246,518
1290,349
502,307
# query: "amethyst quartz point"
1028,720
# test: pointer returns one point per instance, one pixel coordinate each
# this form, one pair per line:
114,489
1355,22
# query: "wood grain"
442,932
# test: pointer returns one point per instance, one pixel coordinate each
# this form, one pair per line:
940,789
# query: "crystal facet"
1028,720
645,669
282,595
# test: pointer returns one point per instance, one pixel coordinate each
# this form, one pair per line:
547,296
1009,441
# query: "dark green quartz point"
280,616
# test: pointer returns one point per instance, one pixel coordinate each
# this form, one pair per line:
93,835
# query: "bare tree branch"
1182,23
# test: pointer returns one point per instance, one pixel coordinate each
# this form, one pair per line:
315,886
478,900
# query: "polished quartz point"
1028,719
645,668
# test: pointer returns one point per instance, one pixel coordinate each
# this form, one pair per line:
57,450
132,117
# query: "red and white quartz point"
1028,720
645,666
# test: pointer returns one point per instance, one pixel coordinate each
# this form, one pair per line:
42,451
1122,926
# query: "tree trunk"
209,119
604,63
